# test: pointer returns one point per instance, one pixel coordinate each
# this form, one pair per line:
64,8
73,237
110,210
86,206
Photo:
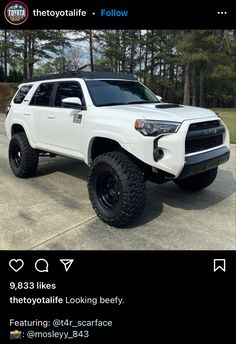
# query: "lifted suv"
121,130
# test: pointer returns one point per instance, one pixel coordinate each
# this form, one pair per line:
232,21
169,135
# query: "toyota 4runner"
121,130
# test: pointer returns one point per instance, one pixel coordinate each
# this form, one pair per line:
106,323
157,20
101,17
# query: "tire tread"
29,157
131,178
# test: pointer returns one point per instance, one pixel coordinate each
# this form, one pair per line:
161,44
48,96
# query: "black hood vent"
167,106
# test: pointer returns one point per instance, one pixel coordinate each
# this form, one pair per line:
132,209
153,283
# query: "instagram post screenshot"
117,172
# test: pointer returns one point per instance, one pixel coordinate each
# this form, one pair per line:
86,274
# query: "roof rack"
86,75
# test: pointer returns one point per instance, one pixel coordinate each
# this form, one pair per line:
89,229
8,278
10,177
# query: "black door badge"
77,118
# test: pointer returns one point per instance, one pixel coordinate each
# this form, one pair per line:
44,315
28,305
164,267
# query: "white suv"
121,130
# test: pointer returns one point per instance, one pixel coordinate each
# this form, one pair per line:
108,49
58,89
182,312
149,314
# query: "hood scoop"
167,106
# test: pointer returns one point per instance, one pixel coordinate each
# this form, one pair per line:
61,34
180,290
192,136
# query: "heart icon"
16,264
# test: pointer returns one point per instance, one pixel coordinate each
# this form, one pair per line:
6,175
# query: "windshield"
119,92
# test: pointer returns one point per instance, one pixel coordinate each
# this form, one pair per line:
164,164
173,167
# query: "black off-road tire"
116,189
22,157
198,181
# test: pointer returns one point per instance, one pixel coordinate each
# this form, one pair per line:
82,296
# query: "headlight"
154,128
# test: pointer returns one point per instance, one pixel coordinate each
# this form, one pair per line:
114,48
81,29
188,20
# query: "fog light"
158,154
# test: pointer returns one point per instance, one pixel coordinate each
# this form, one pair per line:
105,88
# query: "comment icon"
41,265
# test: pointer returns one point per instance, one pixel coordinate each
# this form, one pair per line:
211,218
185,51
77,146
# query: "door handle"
27,114
51,117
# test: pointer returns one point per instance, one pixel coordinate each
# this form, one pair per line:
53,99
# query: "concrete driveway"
52,211
2,128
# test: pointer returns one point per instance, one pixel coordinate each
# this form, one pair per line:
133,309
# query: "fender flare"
114,137
22,124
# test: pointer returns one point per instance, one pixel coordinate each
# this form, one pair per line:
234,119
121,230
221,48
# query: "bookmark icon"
219,264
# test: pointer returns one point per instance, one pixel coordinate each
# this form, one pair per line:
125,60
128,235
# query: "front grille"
197,145
204,125
204,135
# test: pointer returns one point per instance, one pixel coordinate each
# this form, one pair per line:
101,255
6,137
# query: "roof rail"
85,75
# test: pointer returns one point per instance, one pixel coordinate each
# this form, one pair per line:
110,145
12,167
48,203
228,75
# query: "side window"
42,95
66,90
21,94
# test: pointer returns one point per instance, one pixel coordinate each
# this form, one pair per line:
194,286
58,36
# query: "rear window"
42,96
21,94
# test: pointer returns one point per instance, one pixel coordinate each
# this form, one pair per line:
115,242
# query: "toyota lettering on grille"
208,132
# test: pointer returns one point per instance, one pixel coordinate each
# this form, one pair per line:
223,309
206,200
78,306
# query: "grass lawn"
229,117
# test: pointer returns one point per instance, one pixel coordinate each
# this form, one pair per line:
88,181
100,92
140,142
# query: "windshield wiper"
128,103
111,104
142,102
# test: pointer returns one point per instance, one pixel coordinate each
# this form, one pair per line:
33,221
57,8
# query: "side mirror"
72,103
158,98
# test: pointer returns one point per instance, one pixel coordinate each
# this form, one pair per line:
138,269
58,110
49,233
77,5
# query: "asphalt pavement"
52,211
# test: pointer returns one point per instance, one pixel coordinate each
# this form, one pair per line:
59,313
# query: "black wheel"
116,189
198,181
22,157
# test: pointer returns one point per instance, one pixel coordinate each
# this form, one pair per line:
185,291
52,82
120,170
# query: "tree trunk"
214,102
117,45
25,55
140,51
187,84
132,52
171,77
234,94
146,58
91,49
201,89
2,60
123,61
194,90
5,55
31,54
152,58
62,59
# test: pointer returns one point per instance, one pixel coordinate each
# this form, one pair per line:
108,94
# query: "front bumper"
173,147
205,161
